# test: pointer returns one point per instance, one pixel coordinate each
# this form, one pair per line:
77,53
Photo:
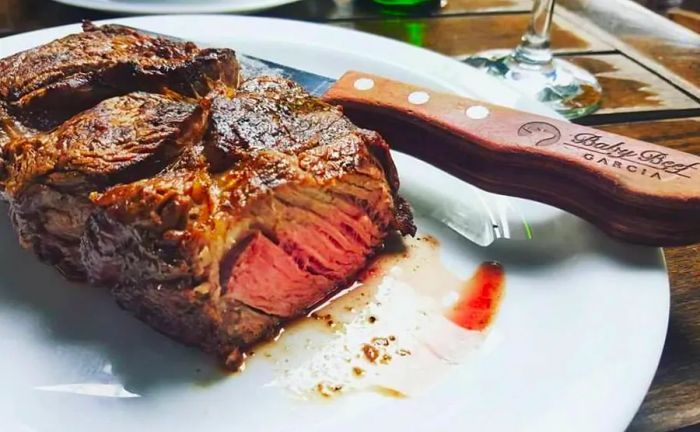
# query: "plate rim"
186,9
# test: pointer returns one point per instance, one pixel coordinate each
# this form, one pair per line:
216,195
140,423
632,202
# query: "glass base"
566,88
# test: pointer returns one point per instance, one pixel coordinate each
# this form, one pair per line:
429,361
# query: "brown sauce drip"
401,296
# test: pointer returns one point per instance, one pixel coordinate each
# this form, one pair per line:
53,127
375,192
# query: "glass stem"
534,45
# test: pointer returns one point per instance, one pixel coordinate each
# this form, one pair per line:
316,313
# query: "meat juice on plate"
397,331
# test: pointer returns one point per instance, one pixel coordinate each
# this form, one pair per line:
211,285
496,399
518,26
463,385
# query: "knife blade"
633,190
314,84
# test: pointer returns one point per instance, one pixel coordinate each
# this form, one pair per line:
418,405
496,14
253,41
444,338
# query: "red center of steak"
310,258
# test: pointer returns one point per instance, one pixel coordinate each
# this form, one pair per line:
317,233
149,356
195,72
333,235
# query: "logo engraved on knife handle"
545,133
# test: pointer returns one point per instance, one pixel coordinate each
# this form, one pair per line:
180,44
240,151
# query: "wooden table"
650,72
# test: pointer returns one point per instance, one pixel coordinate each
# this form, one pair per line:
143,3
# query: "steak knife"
633,190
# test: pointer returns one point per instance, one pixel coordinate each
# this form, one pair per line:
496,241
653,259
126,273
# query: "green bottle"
403,2
408,4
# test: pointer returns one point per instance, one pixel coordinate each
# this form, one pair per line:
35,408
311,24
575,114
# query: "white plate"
574,347
175,6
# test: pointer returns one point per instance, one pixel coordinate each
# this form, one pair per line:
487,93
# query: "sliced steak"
46,85
213,213
49,175
294,203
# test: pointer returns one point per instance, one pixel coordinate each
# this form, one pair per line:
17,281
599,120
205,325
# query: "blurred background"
13,12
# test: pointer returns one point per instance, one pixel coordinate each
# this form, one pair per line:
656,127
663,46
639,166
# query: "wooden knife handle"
633,190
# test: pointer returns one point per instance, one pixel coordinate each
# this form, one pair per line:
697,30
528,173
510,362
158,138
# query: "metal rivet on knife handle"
477,112
418,97
363,84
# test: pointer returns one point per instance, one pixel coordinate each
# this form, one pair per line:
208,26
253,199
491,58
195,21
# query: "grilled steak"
294,202
213,217
48,84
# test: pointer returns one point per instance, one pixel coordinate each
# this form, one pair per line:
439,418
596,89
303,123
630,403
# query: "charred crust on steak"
48,84
49,176
213,211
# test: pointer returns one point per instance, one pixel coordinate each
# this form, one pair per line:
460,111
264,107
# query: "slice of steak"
46,85
295,202
49,176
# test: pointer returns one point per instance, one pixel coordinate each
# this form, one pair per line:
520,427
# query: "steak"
214,215
290,204
46,85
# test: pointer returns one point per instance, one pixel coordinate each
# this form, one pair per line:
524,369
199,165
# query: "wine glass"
565,87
